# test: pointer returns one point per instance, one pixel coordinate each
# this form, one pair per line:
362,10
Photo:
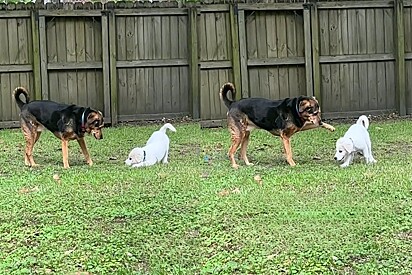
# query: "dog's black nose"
335,158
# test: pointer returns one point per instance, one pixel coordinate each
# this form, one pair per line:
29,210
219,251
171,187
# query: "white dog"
355,140
156,149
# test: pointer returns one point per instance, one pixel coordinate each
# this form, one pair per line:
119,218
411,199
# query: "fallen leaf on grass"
258,179
112,158
26,190
204,175
368,175
226,192
56,177
68,252
316,158
162,175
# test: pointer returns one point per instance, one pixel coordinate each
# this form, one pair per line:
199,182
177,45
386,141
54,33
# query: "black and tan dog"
280,117
66,122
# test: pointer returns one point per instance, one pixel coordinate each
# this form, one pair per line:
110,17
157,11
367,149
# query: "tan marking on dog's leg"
236,136
236,140
243,149
65,152
82,144
288,149
29,134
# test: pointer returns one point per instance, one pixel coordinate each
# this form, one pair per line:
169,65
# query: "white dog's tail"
167,126
364,121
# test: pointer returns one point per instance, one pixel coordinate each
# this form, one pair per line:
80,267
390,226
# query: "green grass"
202,217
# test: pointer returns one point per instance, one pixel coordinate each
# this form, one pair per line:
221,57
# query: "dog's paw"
331,128
372,161
235,166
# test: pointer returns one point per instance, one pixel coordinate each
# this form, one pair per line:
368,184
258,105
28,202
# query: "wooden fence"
147,61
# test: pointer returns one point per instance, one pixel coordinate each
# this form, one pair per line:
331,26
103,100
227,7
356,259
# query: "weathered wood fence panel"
72,65
147,61
152,63
357,58
74,60
215,59
15,61
275,53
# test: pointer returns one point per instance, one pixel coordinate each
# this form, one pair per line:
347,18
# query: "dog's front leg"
65,152
288,149
243,148
82,144
327,126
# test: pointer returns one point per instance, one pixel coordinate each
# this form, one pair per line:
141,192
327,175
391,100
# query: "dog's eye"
340,151
130,158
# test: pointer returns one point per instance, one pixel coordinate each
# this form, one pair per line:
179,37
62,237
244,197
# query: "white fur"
156,149
355,140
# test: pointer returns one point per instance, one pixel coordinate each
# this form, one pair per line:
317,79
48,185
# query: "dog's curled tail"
223,93
167,126
364,121
21,91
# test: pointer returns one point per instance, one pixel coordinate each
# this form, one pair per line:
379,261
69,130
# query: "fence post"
106,64
194,64
400,57
113,69
243,54
316,75
308,48
36,53
234,30
43,59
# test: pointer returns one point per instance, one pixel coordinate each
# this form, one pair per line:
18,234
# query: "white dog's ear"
348,145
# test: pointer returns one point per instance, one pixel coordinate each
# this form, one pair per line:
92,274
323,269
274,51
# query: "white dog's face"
136,156
344,146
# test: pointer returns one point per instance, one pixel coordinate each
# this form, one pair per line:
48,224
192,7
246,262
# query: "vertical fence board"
194,63
105,61
400,57
113,72
43,58
308,51
81,57
36,54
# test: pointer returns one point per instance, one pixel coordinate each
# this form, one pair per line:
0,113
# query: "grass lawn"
197,215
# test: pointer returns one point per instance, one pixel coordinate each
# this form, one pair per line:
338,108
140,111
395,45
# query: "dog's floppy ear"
347,145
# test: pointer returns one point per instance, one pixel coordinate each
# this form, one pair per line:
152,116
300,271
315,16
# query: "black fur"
267,114
56,117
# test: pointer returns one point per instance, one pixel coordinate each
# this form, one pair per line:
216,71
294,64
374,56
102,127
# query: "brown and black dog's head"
94,123
309,110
